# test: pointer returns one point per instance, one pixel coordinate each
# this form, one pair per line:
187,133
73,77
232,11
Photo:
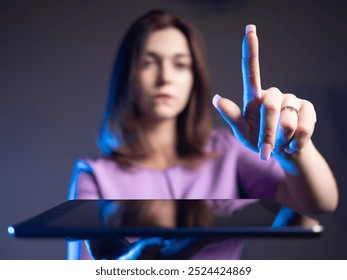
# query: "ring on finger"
291,109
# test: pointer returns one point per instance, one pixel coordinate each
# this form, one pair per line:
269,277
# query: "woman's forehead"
167,42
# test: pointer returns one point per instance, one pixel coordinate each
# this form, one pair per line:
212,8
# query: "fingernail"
265,151
215,100
251,27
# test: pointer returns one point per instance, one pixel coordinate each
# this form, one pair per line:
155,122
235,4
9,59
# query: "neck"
161,137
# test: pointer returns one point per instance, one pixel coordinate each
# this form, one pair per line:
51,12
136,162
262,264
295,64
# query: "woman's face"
165,77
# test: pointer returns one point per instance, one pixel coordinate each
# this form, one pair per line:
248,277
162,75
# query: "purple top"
238,172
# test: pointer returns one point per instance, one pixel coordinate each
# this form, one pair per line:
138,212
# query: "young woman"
158,143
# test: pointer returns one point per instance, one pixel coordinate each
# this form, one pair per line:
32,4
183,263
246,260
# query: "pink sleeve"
257,179
83,184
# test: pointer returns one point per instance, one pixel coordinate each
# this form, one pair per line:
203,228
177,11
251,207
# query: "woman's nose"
165,73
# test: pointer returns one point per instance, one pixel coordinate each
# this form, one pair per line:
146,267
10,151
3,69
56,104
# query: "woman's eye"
147,63
180,65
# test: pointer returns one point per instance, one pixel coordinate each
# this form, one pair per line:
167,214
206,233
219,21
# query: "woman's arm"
312,188
83,186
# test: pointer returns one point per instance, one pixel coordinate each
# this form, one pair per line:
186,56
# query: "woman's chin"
162,115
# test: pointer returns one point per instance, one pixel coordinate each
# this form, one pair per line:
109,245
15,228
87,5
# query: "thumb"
232,114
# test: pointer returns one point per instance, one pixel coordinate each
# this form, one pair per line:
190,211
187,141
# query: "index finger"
250,65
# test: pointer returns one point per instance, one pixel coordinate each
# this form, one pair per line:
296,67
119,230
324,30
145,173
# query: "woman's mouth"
163,96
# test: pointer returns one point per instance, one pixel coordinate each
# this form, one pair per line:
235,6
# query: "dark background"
55,63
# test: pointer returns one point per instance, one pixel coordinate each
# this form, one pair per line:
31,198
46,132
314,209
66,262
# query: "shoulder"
222,139
92,165
91,176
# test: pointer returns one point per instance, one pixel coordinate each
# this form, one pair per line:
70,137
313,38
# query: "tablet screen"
85,219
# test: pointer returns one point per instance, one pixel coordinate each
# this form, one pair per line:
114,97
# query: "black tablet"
239,218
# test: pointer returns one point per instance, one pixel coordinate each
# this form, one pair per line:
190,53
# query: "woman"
158,143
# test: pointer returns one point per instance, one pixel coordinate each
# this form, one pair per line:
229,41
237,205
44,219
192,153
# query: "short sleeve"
258,178
83,183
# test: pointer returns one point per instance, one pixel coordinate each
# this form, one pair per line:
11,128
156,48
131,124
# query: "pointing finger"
250,66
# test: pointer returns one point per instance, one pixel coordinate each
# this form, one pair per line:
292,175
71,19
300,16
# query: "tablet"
239,218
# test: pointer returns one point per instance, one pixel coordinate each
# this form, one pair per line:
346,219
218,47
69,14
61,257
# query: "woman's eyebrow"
157,55
184,55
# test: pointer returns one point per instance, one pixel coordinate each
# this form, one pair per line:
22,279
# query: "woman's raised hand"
271,121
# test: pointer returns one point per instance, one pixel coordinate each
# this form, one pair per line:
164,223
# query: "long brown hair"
120,125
